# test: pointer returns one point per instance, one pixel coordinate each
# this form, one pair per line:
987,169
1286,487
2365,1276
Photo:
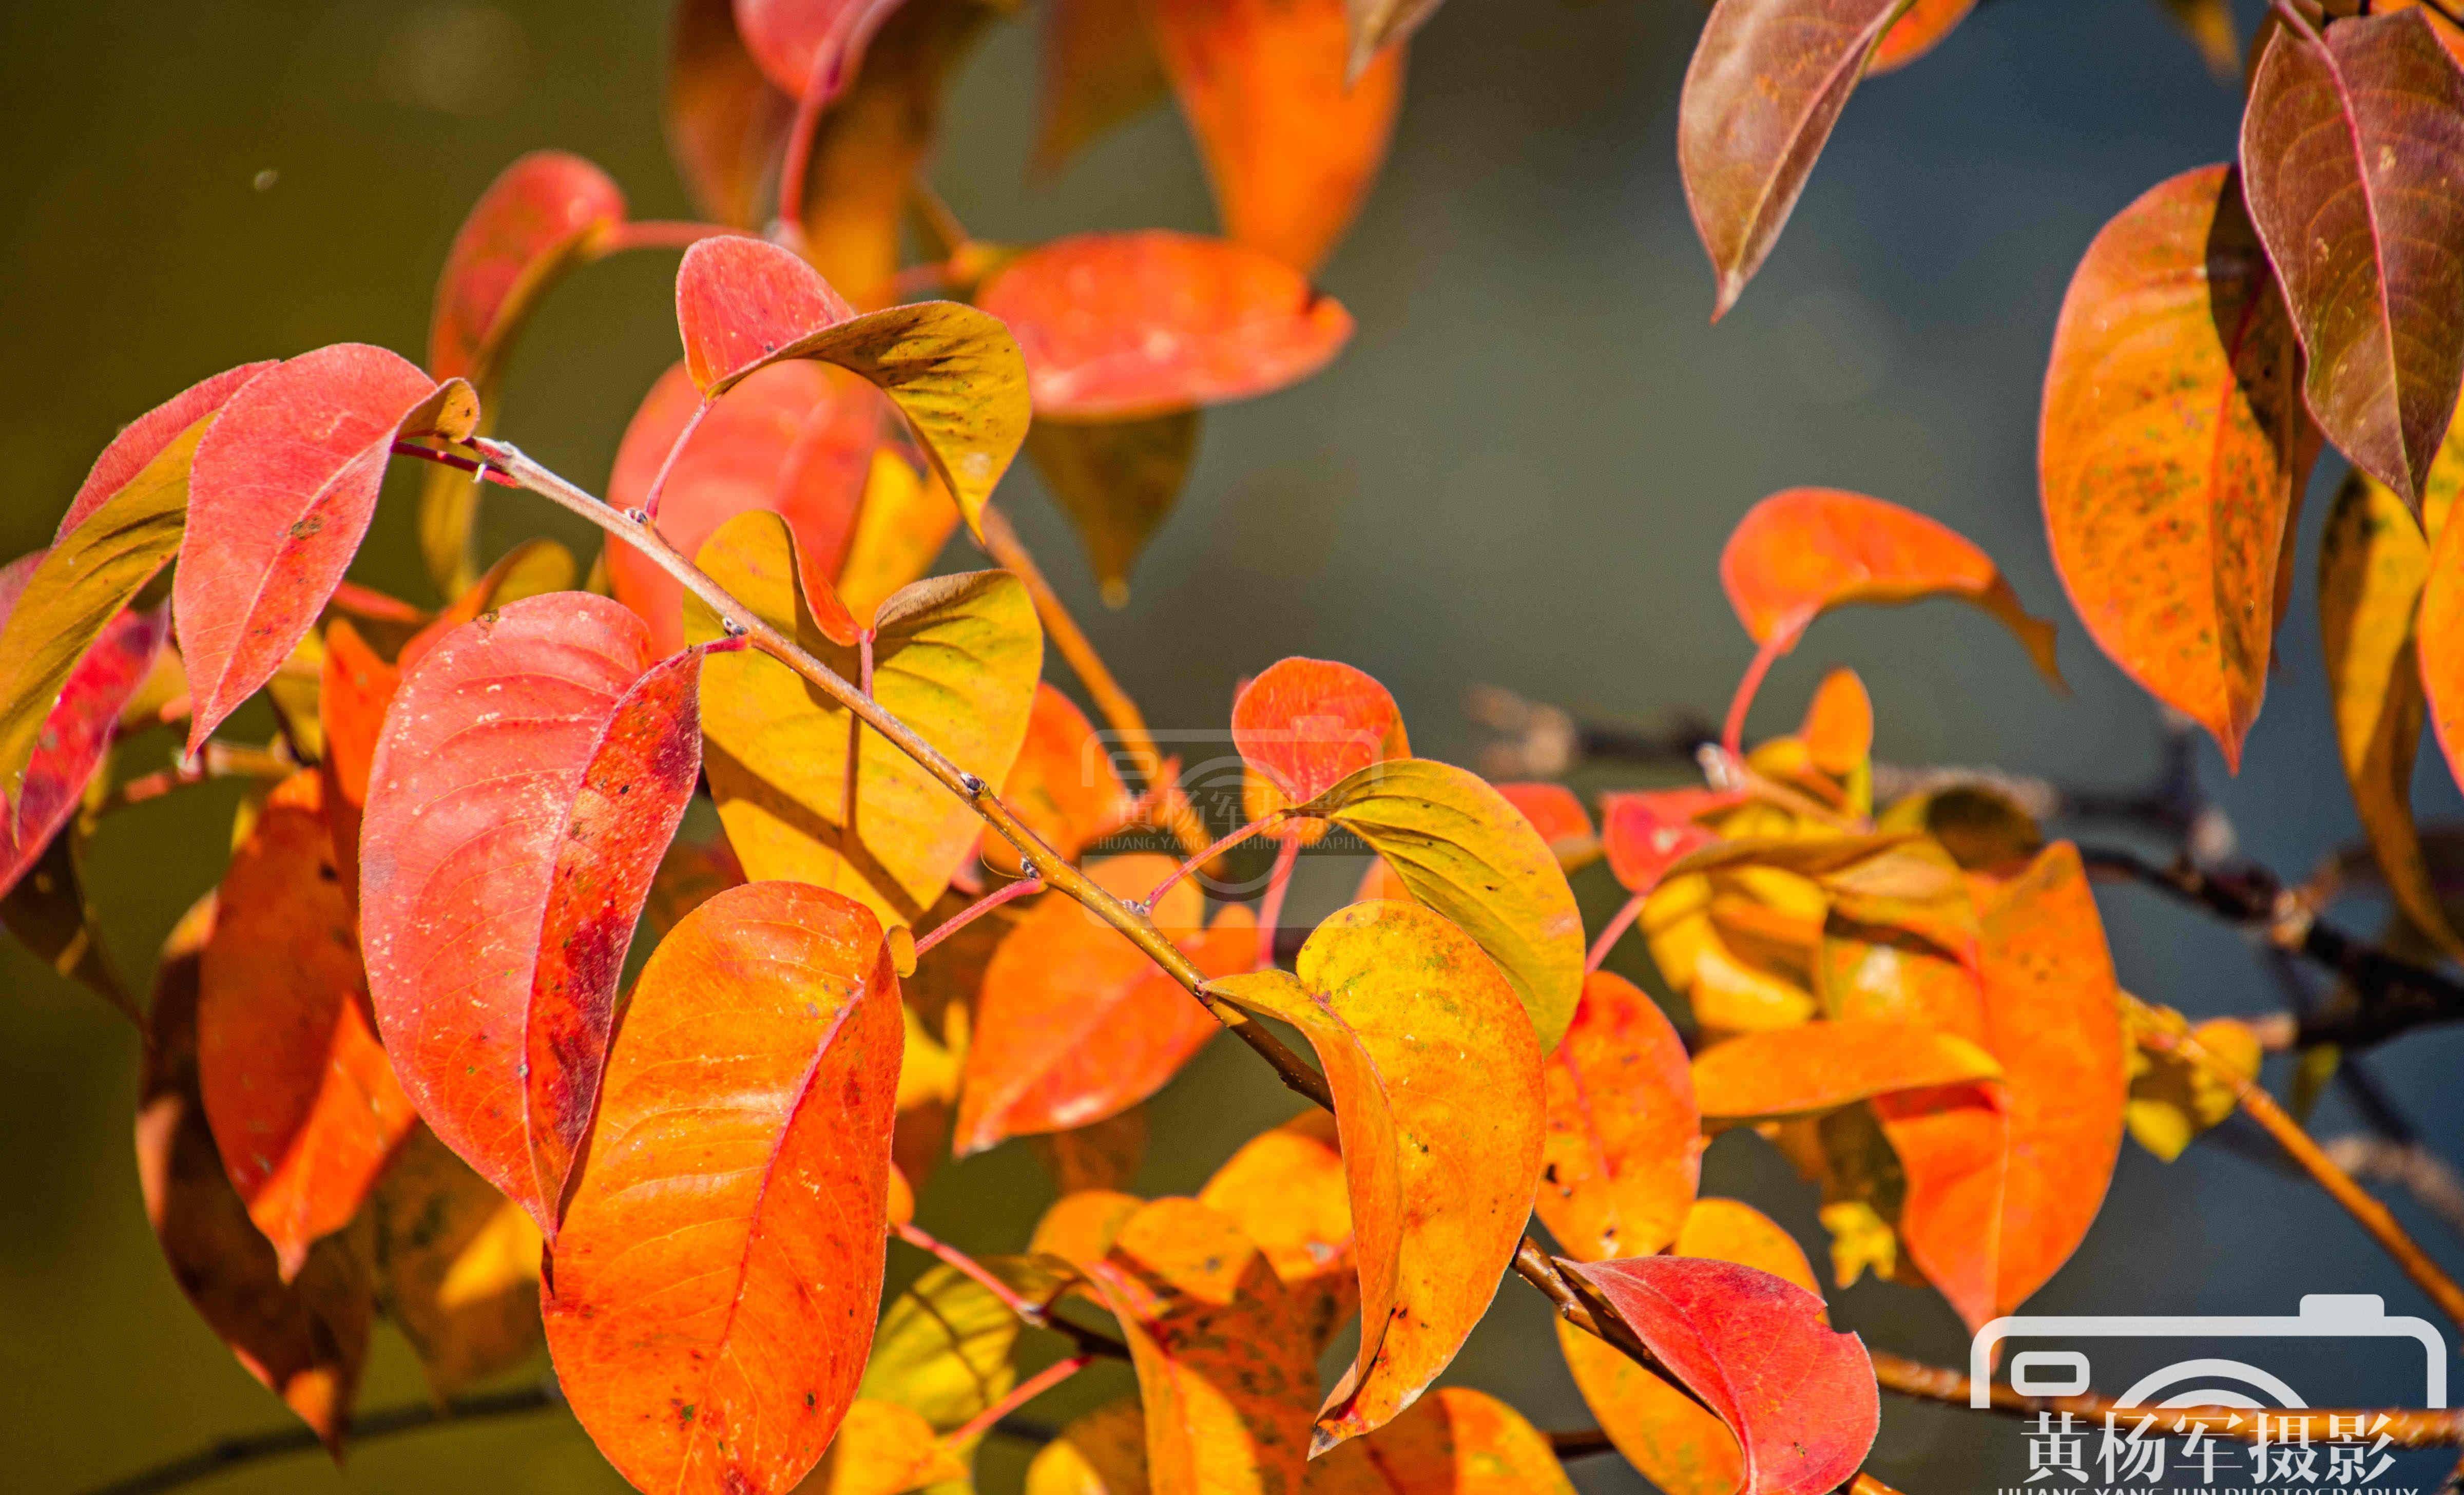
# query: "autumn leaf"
1291,140
953,371
956,658
725,124
1097,69
74,728
1625,1146
2209,24
810,46
712,1292
297,1089
899,530
1062,787
1227,1372
2172,1100
458,1265
1120,325
123,524
1304,725
1117,480
944,1348
1103,1452
1919,29
1454,1442
1677,1444
2175,449
1286,1189
50,912
1439,1100
1800,1399
532,769
354,690
281,490
2439,635
540,215
2372,565
795,440
883,1449
1463,850
1559,817
2003,1187
2346,136
1106,1153
1823,1065
1766,85
1075,1023
306,1338
1646,832
1804,551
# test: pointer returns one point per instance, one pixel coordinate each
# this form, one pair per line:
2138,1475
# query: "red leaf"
142,440
1075,1023
532,769
738,301
1800,1398
2174,450
1558,815
1291,141
1309,724
1646,832
2350,149
303,1105
1119,325
711,1295
811,44
77,730
796,439
283,490
1767,84
305,1338
540,215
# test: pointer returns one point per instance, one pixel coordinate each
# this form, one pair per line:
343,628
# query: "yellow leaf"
1102,1453
1438,1101
882,1449
900,527
2172,1100
956,659
1454,1442
943,1348
1464,849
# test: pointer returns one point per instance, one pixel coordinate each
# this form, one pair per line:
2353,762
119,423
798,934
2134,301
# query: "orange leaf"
1454,1442
810,45
1624,1144
2002,1188
302,1103
2440,633
1800,1399
531,772
1558,815
542,215
1437,1096
353,693
1287,1191
1804,551
1225,1369
1116,326
1099,69
725,124
1817,1066
712,1293
306,1338
1838,728
1290,143
1646,832
796,439
1305,725
1919,29
2175,449
1062,786
1075,1023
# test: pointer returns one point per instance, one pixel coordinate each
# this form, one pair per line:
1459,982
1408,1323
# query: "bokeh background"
1519,473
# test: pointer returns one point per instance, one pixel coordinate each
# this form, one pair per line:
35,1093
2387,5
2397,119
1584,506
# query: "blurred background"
1519,473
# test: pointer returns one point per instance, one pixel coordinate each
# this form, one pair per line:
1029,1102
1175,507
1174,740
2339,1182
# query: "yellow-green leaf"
1464,849
1439,1103
943,1349
956,658
81,585
2373,562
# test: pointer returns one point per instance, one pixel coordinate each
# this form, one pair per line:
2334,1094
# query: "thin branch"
2405,1427
387,1422
1210,853
1020,1396
2373,1217
2387,995
977,910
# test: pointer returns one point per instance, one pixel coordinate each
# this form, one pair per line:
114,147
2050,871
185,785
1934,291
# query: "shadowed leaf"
542,215
458,1265
532,770
1454,1442
711,1295
725,124
1439,1099
806,46
1117,481
1099,69
1287,1191
2349,146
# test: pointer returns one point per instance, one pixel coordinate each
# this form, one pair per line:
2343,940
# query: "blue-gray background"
1520,472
